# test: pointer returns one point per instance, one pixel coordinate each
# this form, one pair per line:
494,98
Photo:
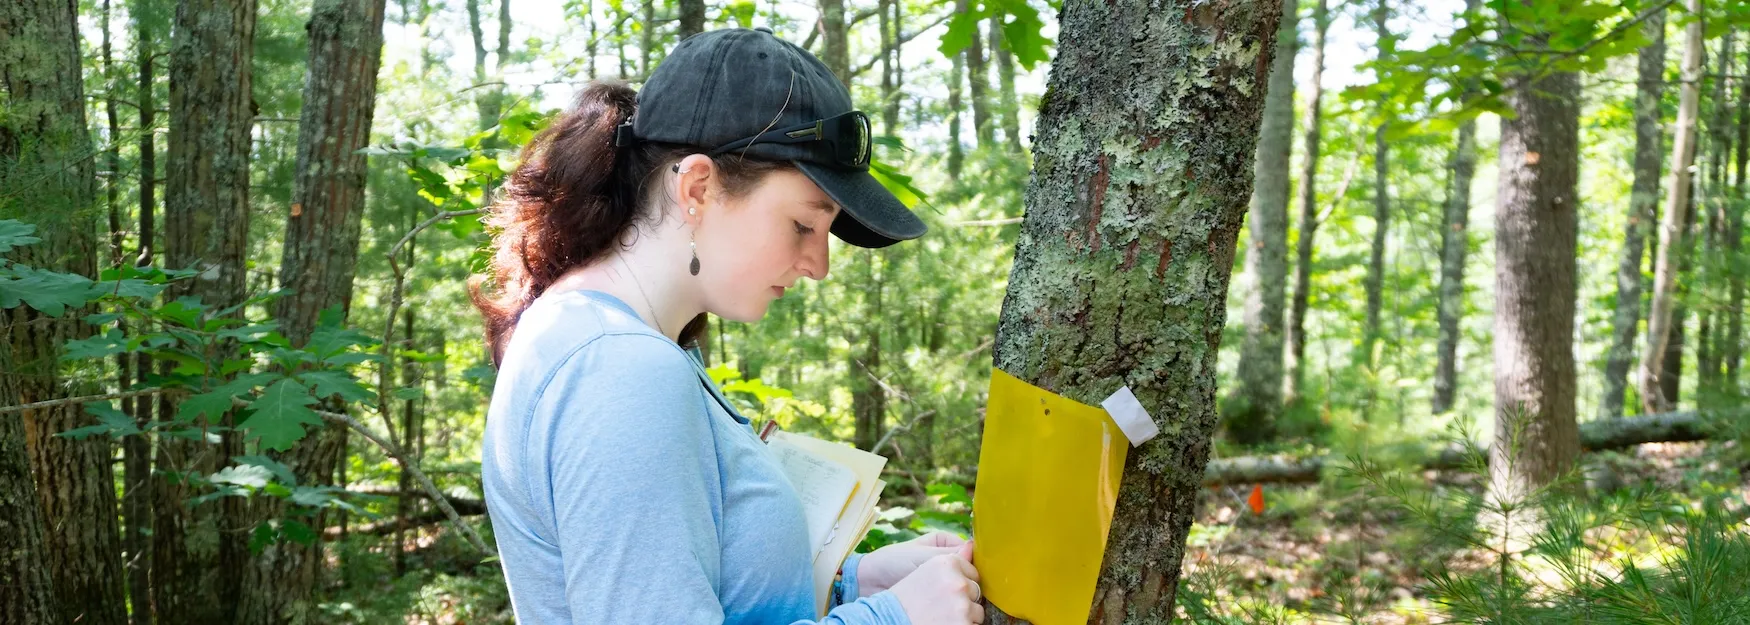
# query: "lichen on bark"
1143,169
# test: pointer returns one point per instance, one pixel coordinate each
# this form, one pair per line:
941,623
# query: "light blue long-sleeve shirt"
623,489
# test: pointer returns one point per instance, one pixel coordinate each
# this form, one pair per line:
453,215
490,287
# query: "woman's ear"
692,176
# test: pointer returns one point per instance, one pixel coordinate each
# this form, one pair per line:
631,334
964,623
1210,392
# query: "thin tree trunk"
889,50
1672,245
1734,350
1536,230
137,451
692,17
1454,245
868,396
1127,249
319,260
647,41
978,83
1719,151
1250,413
49,181
956,152
1643,200
837,54
1309,215
1375,282
1011,109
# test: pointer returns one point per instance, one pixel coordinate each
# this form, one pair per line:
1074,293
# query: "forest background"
185,230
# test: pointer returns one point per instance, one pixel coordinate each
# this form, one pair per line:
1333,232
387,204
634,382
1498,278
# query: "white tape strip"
1137,425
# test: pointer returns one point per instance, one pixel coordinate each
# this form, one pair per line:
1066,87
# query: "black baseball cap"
739,91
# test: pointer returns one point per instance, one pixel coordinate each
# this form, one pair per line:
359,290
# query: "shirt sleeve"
633,470
632,465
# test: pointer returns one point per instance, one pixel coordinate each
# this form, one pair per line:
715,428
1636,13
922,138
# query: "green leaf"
961,29
243,475
281,473
329,382
15,233
950,493
102,319
95,347
212,405
296,531
278,417
50,292
111,421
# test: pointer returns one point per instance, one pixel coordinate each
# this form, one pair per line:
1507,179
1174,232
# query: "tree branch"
897,43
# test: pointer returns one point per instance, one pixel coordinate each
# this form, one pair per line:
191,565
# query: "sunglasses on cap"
845,138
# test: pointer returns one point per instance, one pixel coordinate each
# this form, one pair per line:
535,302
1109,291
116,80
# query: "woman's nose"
815,262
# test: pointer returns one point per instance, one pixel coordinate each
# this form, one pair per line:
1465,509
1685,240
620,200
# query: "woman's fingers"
940,539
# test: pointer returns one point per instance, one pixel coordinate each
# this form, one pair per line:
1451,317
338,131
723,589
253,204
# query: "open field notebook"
839,486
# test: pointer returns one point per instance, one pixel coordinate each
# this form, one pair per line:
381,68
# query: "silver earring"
694,267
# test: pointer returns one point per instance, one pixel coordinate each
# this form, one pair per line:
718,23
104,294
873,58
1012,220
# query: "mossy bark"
47,174
1143,169
206,222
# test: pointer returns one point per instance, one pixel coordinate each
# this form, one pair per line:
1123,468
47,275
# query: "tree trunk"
1536,437
1375,282
868,396
1643,198
889,54
692,18
1251,410
137,451
27,592
1454,245
1122,268
46,168
1011,109
1734,350
206,218
956,152
1309,215
320,256
647,41
1672,239
838,46
978,83
1719,151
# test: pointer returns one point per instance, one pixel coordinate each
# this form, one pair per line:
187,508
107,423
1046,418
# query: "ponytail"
570,201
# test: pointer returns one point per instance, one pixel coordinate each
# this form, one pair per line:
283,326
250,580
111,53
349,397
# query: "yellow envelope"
1048,476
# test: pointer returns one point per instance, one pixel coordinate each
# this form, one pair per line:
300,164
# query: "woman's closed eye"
803,230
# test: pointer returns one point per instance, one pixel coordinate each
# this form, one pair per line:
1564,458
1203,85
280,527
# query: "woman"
622,487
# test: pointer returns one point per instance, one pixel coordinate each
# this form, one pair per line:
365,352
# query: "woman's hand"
884,567
943,590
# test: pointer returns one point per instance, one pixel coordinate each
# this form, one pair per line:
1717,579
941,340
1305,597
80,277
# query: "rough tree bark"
1536,222
47,171
206,220
1454,245
1142,174
1309,215
1375,282
1643,198
318,262
27,593
1251,409
1672,239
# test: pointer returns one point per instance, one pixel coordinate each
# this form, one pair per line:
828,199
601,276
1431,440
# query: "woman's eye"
802,230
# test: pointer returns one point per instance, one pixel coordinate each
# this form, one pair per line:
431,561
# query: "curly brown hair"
573,198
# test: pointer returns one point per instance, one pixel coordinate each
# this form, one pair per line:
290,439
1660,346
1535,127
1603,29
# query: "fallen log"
1602,434
463,507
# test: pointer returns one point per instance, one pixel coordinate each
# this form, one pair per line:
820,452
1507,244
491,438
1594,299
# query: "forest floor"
1319,553
1323,553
